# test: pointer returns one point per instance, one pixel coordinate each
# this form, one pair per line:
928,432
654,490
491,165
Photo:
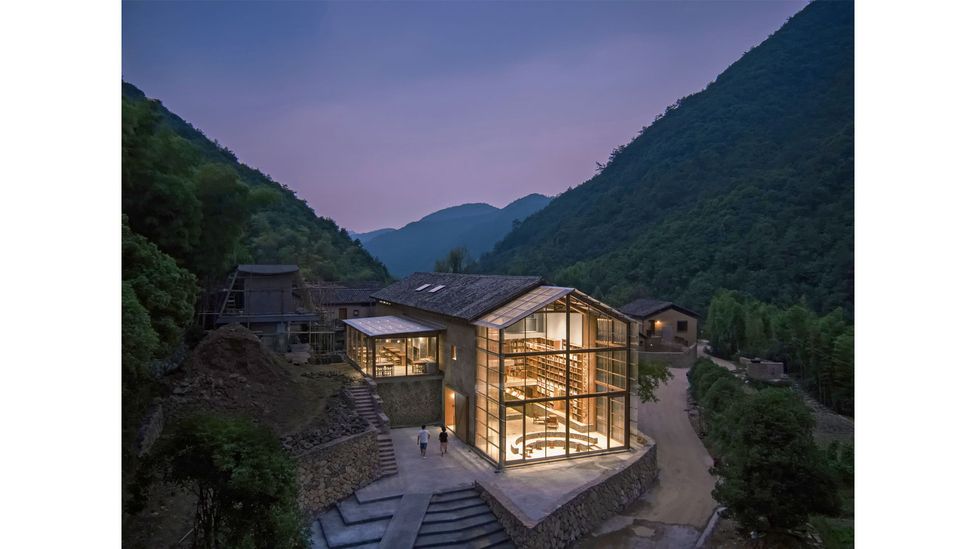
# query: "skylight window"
422,288
435,288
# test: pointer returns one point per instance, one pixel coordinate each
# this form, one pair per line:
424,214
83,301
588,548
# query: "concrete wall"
685,359
459,374
584,509
669,325
333,471
412,401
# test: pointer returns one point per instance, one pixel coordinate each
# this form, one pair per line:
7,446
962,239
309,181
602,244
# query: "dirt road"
673,512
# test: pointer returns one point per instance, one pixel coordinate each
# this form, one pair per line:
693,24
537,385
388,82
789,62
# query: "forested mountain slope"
169,167
475,227
748,185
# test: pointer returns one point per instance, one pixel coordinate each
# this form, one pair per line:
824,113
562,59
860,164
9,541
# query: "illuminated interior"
392,346
554,365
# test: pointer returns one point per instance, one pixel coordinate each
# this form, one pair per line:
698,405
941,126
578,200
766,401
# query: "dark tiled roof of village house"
267,269
465,296
643,307
333,294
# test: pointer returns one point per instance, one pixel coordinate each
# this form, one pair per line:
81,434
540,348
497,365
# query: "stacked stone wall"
585,509
412,402
333,471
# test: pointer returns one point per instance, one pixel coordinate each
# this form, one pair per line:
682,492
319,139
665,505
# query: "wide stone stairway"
449,518
367,404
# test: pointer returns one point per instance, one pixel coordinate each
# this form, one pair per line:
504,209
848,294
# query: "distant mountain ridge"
476,227
746,185
369,235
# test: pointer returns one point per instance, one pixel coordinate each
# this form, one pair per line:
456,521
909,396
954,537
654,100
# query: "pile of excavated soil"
231,372
235,350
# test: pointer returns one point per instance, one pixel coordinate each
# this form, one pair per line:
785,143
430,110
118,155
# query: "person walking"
423,437
443,439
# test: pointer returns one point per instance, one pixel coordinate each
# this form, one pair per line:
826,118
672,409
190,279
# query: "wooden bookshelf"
549,372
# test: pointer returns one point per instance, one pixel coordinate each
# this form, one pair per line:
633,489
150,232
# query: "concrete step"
339,534
448,516
403,527
497,540
455,504
462,493
459,536
316,537
353,512
441,527
368,500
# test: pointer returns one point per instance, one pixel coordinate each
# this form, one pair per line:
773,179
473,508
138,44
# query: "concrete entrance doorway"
456,413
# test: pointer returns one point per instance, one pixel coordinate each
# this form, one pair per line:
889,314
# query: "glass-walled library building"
553,378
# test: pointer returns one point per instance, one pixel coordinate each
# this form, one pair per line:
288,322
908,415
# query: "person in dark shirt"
443,439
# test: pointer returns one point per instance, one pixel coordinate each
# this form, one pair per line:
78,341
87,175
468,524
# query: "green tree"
158,193
725,324
244,482
842,360
650,375
226,208
772,475
456,261
139,340
163,288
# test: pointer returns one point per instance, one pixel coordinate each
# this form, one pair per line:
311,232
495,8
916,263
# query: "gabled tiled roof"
335,294
644,307
267,269
464,296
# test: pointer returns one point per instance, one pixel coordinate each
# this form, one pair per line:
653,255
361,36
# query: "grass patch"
837,533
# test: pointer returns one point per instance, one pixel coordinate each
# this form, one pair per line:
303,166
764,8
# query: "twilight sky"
379,113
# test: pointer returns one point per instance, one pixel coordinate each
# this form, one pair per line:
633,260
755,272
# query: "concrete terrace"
536,489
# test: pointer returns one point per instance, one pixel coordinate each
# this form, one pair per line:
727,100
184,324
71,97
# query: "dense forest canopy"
194,200
748,184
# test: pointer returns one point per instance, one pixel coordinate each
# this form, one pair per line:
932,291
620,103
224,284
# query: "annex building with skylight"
520,370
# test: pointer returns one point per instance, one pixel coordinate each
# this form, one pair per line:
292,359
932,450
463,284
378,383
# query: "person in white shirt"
423,437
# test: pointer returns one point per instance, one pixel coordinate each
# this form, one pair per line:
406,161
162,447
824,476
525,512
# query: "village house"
337,301
664,326
520,370
274,302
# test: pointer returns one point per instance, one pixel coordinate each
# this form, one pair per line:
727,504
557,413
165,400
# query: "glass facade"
393,356
553,383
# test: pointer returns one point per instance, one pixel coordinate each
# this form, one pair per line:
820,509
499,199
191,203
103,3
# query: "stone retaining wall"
150,429
333,471
408,402
585,509
685,359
